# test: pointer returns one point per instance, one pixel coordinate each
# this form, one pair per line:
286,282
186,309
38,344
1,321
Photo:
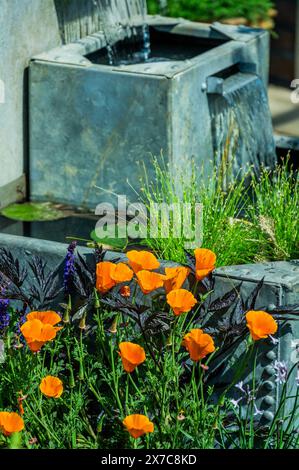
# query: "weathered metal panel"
280,288
86,131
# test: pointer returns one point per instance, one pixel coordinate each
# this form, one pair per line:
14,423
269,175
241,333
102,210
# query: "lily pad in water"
31,212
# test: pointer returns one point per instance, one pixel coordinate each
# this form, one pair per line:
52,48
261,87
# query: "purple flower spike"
4,315
69,267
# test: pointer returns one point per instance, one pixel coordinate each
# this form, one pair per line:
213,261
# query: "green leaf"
117,243
30,211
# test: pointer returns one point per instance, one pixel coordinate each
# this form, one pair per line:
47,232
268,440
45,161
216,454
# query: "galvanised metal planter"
90,123
280,288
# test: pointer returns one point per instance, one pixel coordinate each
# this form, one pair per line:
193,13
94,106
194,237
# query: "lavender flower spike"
69,267
4,315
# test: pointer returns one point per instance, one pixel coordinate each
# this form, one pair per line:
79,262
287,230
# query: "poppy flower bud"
82,324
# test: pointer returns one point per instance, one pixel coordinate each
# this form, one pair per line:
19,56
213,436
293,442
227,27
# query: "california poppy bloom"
149,281
205,262
132,355
104,281
260,324
51,386
181,301
138,425
121,273
38,333
48,317
139,260
109,274
125,291
175,278
10,423
198,344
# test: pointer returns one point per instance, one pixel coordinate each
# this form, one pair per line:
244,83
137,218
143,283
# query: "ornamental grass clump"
135,362
250,219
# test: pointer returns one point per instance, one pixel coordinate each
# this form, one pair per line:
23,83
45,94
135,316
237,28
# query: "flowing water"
242,128
126,30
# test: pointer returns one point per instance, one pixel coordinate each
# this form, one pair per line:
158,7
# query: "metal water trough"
90,123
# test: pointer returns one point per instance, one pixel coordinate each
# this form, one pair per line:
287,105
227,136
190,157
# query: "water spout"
126,31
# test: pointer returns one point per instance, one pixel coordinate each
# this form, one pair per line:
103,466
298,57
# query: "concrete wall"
27,27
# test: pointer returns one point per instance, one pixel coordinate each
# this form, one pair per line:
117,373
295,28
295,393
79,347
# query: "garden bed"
272,287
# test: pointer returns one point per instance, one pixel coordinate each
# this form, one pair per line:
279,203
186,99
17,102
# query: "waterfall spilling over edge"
242,127
125,21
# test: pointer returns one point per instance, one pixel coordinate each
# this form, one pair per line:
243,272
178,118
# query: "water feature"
167,99
241,125
126,31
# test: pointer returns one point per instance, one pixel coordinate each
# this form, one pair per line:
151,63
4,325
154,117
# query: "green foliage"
212,10
98,394
275,210
174,392
242,224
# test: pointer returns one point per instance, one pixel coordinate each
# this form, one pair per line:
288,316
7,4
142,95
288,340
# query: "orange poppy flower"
125,291
132,355
10,423
260,324
205,262
121,273
48,318
104,281
139,260
109,274
181,301
51,386
138,425
175,278
198,344
37,333
149,281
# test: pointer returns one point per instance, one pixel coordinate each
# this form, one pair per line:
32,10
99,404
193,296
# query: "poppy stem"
134,293
134,385
239,372
41,421
127,395
115,379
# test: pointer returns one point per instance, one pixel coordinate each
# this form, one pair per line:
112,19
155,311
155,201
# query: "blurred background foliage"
253,12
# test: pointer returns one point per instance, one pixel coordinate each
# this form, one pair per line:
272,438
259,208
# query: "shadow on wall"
76,19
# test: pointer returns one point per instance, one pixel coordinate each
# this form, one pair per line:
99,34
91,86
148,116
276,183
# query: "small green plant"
275,210
224,231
